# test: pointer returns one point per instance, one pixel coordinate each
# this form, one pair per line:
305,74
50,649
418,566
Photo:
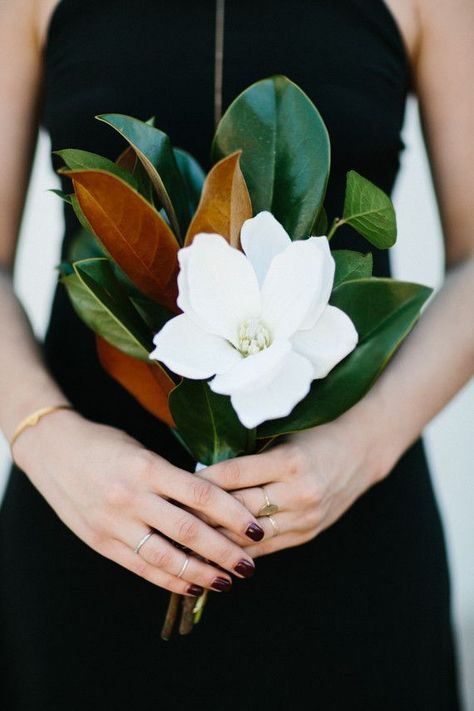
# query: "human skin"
71,460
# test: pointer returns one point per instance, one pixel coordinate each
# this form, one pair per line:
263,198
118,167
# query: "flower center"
253,337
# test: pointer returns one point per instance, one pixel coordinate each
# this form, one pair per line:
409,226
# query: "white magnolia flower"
259,322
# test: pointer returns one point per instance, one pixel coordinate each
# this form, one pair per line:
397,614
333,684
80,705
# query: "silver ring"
142,541
183,567
276,529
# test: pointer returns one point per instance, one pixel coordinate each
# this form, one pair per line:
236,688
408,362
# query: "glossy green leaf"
285,151
154,315
320,226
153,148
103,305
208,424
193,176
76,159
369,211
351,265
384,312
370,302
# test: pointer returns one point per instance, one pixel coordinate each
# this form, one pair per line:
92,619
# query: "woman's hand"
313,478
111,491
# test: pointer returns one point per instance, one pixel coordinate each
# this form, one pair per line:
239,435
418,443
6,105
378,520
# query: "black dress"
359,618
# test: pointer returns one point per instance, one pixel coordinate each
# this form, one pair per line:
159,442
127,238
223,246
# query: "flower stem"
187,615
337,222
199,606
170,618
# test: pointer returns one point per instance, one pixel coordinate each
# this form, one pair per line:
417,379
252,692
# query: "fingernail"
255,532
245,568
195,590
221,584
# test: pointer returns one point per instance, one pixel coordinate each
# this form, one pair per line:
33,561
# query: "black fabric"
360,617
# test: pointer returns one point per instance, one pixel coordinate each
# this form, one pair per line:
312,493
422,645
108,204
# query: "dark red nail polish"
195,590
245,568
255,532
221,584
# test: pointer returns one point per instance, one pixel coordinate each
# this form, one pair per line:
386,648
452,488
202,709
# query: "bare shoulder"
44,10
406,16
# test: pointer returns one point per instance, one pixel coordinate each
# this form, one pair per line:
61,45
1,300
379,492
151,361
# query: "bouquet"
216,299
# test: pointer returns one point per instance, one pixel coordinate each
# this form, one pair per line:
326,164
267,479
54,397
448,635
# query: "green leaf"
193,176
286,151
153,148
351,265
103,305
370,302
369,211
320,226
154,315
208,424
60,193
84,245
76,159
384,312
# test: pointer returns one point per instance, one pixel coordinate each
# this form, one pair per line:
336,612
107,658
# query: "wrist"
36,441
377,438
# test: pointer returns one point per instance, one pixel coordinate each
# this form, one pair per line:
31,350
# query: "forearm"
25,384
433,363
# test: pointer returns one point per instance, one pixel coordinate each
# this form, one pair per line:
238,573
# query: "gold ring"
276,529
183,567
268,508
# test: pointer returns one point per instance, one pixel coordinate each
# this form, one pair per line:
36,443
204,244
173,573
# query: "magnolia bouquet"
216,300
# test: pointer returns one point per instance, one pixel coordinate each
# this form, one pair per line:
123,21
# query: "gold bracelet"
33,419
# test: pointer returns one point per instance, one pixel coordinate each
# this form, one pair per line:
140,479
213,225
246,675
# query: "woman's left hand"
313,477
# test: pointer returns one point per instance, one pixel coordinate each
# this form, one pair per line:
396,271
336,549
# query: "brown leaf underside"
132,231
225,202
147,382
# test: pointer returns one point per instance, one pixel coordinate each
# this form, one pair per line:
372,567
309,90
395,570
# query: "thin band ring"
268,508
276,529
183,567
142,541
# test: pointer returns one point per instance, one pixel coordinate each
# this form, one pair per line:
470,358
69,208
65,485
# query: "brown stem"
170,618
187,615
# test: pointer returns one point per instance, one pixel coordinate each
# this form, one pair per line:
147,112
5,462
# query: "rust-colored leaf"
225,202
132,231
147,382
127,159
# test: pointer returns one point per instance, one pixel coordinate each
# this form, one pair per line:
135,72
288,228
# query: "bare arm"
24,383
102,483
438,358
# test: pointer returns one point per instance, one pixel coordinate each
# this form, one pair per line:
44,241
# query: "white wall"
417,257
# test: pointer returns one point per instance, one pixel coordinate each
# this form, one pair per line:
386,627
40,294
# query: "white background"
418,256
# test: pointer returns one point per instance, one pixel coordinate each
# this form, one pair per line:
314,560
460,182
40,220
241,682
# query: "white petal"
325,277
219,286
262,238
278,396
297,286
189,351
254,370
328,342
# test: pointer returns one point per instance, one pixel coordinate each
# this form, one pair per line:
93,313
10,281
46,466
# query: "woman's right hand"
110,490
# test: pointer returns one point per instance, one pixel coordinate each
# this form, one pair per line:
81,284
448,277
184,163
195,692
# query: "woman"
356,618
